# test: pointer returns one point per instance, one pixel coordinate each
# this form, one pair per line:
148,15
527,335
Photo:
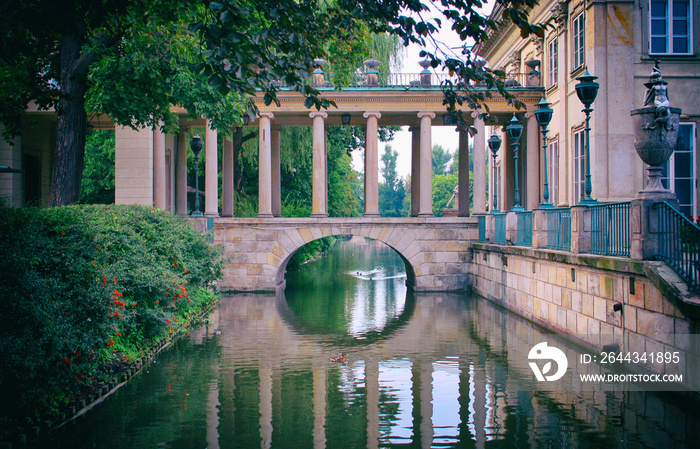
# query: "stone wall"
436,250
576,296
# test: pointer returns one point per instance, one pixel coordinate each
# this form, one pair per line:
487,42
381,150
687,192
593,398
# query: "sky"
446,136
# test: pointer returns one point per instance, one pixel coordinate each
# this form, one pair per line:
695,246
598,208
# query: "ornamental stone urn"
372,73
655,131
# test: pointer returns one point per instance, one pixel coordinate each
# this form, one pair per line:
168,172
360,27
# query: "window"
670,27
579,142
680,169
578,50
552,62
553,171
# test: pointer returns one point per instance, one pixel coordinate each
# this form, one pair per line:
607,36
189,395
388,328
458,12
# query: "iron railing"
417,80
523,235
679,243
611,231
499,229
482,228
559,229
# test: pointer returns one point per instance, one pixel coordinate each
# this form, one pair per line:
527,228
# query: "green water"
422,370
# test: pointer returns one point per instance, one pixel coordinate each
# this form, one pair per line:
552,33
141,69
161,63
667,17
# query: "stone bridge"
436,251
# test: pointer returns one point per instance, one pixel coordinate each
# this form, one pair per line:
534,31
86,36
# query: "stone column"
479,167
181,175
158,168
133,166
319,206
531,173
265,166
415,170
426,164
227,179
211,173
276,175
463,175
372,164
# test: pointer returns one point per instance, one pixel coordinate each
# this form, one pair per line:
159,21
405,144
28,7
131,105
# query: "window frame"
578,150
553,171
578,41
669,36
553,62
669,172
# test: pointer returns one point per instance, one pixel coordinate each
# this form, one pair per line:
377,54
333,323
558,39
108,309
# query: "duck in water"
342,358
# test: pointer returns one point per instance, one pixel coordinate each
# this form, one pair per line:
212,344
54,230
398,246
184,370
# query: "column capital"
529,115
369,114
476,115
315,114
426,114
269,115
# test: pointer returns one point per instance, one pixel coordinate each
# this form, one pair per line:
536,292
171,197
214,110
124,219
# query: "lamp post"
196,145
494,144
587,90
515,130
543,114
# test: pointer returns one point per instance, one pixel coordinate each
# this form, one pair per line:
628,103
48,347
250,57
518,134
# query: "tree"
56,54
441,160
391,191
97,186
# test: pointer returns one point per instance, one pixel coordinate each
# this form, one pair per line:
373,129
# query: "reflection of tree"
346,410
389,408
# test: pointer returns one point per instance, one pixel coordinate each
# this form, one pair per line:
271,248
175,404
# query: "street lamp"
587,90
494,144
196,145
515,130
543,114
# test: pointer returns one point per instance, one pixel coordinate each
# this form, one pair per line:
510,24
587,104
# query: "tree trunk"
72,125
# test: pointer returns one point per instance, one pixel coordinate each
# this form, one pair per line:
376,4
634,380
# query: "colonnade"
169,168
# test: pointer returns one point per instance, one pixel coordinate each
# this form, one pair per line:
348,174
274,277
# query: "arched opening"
357,291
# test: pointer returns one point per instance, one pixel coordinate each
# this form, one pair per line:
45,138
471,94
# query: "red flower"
134,304
119,334
167,321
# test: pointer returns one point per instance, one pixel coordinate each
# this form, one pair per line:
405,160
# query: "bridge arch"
410,273
436,252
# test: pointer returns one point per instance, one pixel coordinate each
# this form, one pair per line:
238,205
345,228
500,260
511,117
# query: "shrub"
84,285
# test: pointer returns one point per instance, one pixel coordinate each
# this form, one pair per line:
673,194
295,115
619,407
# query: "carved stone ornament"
559,13
655,129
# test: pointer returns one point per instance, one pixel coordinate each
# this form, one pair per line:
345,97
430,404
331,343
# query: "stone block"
637,299
556,295
571,321
599,309
576,302
593,284
561,317
562,277
664,327
587,305
645,322
630,317
447,257
263,235
612,317
606,287
581,324
539,289
254,270
653,300
544,310
548,295
566,298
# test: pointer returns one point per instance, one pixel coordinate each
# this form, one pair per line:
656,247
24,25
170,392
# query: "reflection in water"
431,370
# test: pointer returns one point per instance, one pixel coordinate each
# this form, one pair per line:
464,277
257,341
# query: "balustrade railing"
559,229
679,243
523,235
362,79
499,229
611,231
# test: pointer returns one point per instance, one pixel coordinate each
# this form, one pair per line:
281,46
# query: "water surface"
422,370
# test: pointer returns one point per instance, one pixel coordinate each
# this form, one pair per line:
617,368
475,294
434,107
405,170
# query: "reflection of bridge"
435,250
473,357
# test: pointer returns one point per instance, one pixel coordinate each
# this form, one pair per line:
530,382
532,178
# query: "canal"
421,370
